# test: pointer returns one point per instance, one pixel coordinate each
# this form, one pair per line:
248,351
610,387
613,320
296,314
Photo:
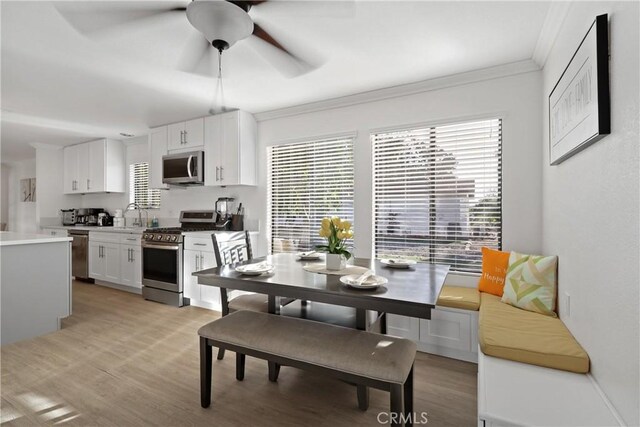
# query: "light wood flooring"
121,361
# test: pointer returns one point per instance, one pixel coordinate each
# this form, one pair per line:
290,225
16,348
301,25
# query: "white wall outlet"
567,304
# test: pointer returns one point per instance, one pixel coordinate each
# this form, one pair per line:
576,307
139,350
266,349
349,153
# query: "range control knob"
174,238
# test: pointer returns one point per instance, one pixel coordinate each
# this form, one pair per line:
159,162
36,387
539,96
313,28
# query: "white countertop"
10,238
128,230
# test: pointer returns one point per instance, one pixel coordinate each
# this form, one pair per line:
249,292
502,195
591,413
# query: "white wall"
515,98
590,212
22,215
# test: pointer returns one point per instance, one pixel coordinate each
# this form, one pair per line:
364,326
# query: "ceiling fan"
221,23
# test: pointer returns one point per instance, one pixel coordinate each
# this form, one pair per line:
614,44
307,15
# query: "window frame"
350,136
433,124
132,193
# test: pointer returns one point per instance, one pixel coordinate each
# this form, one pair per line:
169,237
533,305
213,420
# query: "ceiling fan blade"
90,18
297,65
195,51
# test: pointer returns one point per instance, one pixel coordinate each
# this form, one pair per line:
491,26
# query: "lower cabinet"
104,261
450,332
131,266
115,258
196,260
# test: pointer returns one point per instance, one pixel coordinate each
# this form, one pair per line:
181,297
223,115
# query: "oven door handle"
165,247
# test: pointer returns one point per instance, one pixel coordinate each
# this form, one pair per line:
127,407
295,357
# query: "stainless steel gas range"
162,256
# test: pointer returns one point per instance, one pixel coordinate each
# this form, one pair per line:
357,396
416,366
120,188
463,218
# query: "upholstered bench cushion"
459,297
366,354
252,302
523,336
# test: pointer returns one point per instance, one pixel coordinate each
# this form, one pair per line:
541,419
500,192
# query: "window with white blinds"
438,193
308,181
139,191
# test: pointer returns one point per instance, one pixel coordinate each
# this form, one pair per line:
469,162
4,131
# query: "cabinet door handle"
181,137
201,262
197,259
221,170
131,254
217,173
199,244
131,240
88,184
185,137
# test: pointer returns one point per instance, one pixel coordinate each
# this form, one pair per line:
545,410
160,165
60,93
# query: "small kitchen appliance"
69,216
88,216
105,220
162,256
225,208
183,168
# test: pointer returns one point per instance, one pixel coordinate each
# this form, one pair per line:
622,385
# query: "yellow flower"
345,225
324,232
326,222
342,235
336,221
349,233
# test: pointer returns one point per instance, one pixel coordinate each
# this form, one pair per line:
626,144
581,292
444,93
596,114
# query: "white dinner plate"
372,282
308,256
255,269
397,263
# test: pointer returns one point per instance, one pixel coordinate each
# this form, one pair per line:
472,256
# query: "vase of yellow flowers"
337,232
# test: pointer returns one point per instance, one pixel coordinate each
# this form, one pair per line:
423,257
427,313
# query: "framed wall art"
579,112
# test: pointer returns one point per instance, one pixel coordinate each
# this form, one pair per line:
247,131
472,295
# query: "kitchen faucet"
132,206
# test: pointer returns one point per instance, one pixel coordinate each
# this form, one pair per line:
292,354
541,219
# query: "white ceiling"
62,87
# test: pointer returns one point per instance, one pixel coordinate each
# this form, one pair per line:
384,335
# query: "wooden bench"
355,356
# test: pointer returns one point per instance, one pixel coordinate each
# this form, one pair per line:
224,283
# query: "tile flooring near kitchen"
121,360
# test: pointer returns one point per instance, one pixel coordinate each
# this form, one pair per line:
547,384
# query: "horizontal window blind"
139,191
438,193
308,181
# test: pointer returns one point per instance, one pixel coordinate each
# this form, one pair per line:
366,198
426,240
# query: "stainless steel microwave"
183,168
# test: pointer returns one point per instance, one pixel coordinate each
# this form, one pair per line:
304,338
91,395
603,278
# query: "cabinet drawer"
131,239
99,236
198,244
448,329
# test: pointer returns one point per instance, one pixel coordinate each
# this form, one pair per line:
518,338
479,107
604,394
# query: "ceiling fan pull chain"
222,109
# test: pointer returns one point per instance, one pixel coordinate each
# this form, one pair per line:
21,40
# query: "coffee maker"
225,208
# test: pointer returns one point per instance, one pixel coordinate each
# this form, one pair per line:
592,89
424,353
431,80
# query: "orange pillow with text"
494,270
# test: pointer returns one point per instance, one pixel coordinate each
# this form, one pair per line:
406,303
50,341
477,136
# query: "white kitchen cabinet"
71,172
230,149
131,266
158,146
186,135
198,256
190,262
116,258
94,167
104,261
209,294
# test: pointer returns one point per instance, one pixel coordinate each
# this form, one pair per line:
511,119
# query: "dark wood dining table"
409,292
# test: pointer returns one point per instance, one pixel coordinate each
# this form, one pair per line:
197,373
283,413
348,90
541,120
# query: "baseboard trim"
466,356
124,288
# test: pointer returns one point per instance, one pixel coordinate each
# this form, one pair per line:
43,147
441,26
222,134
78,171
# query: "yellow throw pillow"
494,270
531,283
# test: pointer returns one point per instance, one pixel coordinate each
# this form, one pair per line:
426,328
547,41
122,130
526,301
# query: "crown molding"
475,76
557,13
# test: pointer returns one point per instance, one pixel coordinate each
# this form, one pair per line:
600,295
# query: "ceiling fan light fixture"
220,21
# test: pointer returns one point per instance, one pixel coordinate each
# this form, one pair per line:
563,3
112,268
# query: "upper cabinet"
158,147
94,167
186,135
230,149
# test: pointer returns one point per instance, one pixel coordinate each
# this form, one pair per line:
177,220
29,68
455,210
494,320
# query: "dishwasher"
80,254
